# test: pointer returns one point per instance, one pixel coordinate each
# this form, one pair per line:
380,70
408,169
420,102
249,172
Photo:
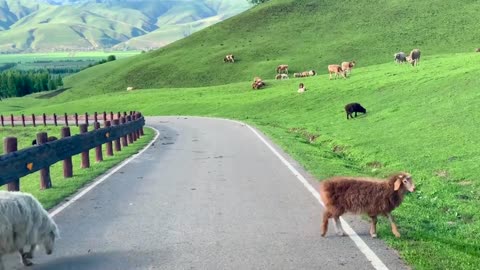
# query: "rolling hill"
306,34
44,26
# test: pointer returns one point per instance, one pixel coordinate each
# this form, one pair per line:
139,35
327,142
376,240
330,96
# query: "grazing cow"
229,58
414,57
297,75
312,73
400,57
282,69
477,50
130,88
347,66
281,76
337,69
354,108
257,83
301,88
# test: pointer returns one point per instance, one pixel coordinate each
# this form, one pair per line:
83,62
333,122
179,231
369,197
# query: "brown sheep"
364,195
337,69
282,69
347,66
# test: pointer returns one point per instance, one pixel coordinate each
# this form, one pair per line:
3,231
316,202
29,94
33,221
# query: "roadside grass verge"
62,187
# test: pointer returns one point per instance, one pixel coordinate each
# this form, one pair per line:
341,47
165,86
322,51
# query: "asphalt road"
208,194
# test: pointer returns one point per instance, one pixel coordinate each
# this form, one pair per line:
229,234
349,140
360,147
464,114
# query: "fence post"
45,180
33,120
67,163
10,145
116,122
66,119
95,117
111,116
124,138
55,119
104,116
134,133
109,144
129,135
98,149
1,118
141,128
23,120
85,155
76,119
119,114
86,118
44,118
12,121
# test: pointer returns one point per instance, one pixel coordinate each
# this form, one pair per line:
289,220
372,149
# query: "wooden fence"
67,120
116,133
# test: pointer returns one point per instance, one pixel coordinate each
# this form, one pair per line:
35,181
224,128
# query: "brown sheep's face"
404,180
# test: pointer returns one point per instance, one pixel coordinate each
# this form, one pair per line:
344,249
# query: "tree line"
18,83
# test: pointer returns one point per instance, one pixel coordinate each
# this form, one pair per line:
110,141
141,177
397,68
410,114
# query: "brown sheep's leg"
394,226
373,227
338,226
326,216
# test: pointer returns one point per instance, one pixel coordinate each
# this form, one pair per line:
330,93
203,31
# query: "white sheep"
24,222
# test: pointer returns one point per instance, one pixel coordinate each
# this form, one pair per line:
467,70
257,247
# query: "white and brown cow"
337,69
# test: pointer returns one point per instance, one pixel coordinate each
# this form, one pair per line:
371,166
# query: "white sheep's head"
47,239
403,181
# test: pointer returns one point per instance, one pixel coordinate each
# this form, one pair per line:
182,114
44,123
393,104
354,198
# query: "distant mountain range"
58,25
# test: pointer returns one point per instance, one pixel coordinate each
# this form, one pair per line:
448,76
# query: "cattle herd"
343,70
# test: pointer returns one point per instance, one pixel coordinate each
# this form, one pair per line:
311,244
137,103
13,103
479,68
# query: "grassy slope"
420,120
307,34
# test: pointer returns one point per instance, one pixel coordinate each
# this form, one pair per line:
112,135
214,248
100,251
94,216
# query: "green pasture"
64,187
419,119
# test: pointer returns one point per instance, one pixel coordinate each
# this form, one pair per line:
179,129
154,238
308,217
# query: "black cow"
354,108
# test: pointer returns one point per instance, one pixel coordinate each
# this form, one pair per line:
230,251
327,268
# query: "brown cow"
281,76
282,68
347,66
229,58
337,69
477,50
257,83
414,57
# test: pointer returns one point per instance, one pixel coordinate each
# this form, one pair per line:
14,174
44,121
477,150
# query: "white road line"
364,248
103,178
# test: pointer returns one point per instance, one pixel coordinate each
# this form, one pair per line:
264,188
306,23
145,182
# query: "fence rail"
24,120
16,164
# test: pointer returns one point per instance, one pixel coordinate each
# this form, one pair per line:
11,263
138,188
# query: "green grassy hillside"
27,26
421,120
306,34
